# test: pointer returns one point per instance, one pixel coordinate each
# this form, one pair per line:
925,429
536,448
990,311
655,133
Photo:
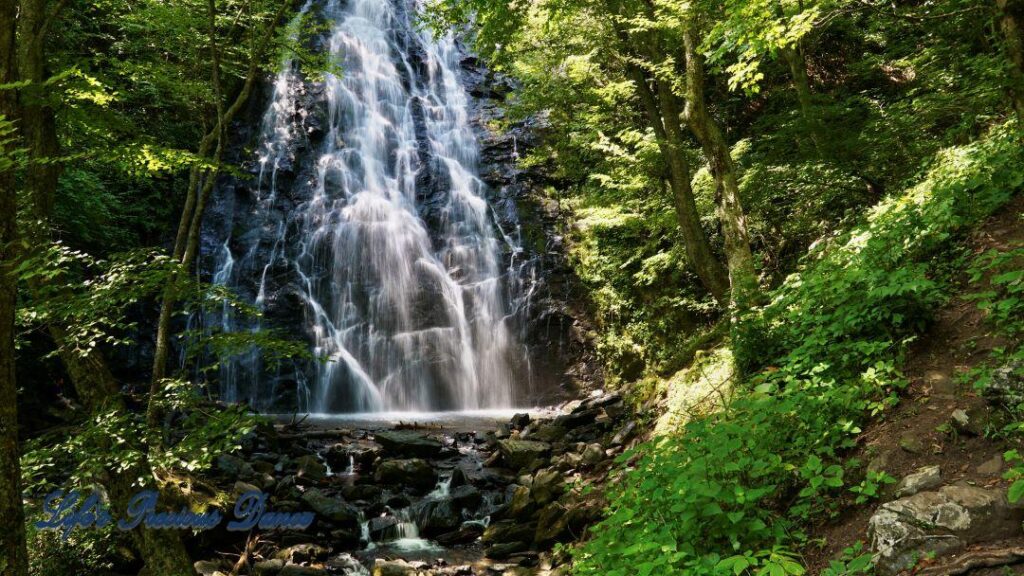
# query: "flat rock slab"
941,522
408,443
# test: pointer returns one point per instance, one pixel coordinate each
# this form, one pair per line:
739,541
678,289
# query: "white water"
409,316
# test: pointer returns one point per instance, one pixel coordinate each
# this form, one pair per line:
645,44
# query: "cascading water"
393,249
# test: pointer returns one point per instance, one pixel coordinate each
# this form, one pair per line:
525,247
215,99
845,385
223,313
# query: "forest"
511,287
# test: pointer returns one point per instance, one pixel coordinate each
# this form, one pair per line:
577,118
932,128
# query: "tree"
13,553
1011,22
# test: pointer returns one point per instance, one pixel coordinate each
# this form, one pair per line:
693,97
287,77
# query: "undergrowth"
732,492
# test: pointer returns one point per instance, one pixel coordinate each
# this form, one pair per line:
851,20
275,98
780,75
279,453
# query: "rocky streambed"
439,498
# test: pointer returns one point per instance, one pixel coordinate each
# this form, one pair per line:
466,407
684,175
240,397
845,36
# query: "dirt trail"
918,432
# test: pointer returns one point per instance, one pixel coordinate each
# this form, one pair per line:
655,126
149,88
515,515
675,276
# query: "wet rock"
467,532
922,479
509,531
365,492
437,516
520,421
459,478
382,527
310,468
465,497
302,553
524,454
408,443
383,567
333,509
240,488
411,473
505,549
941,522
547,485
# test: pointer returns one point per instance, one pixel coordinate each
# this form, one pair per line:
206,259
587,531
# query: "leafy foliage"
746,479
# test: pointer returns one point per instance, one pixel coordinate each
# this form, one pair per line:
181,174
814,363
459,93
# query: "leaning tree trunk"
740,260
162,550
1011,22
13,552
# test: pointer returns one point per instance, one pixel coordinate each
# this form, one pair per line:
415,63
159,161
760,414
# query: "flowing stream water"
408,298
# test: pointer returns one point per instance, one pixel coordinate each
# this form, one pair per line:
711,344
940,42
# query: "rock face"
940,522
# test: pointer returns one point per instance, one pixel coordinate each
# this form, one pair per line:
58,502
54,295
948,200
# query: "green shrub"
729,493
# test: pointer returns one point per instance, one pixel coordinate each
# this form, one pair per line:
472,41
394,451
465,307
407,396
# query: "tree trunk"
13,551
740,260
794,59
1011,22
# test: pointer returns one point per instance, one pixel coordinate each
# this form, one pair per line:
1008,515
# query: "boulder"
412,473
547,485
436,516
922,479
310,468
505,549
468,532
941,522
210,568
334,510
465,497
1005,388
383,567
524,454
346,565
593,454
520,421
521,504
408,443
382,527
509,531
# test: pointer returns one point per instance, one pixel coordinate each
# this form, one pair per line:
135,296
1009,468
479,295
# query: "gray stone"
346,565
234,466
1005,388
524,454
922,479
383,567
412,473
310,468
992,466
521,504
547,485
941,522
593,454
909,442
408,443
332,509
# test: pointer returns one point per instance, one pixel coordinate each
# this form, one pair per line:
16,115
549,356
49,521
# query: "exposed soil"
917,433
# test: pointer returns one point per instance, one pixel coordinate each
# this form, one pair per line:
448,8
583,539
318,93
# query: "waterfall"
382,230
